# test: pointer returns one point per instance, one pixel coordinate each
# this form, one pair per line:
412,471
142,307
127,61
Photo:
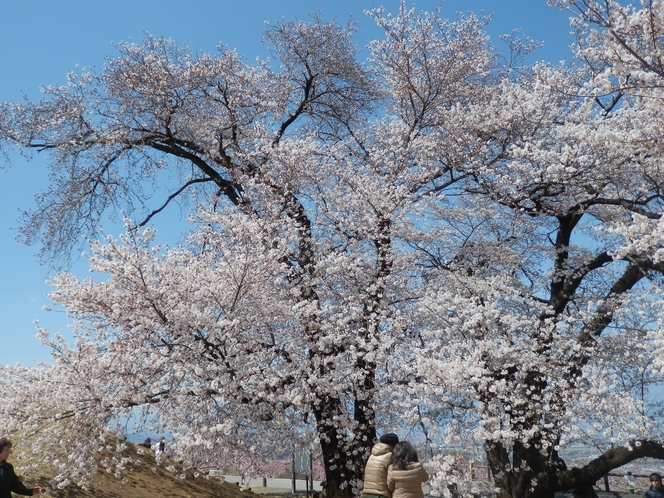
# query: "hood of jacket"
381,449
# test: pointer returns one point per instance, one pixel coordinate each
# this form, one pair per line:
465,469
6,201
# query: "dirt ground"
146,480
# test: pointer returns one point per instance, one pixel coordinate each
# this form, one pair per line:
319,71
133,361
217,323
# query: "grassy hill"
146,479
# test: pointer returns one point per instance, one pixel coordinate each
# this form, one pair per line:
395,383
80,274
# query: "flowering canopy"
439,239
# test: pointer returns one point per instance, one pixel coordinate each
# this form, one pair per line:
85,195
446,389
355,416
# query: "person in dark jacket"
656,490
9,481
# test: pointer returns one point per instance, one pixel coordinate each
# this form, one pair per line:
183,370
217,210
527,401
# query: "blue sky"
40,40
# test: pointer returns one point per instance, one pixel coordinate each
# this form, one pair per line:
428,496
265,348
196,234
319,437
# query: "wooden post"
606,483
293,473
311,469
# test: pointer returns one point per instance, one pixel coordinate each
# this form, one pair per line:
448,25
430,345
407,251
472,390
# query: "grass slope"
146,479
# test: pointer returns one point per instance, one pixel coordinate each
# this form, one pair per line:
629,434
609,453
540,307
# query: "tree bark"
343,459
552,477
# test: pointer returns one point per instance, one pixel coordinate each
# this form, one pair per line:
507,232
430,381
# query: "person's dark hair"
4,442
402,454
655,476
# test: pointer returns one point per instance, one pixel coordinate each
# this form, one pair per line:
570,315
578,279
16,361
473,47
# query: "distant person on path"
162,445
656,490
9,482
375,472
405,474
148,443
629,482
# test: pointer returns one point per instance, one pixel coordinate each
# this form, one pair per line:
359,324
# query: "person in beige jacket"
405,474
375,472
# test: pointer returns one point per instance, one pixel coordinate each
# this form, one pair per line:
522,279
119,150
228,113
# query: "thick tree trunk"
517,485
535,476
343,458
530,474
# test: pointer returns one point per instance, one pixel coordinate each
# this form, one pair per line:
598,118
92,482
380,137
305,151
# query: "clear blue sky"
41,39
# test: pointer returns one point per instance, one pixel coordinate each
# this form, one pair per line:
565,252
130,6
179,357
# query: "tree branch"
609,460
169,199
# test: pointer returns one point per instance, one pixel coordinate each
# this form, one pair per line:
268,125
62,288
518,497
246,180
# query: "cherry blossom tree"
555,300
438,238
278,311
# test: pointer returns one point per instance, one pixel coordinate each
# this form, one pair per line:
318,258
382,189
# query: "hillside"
144,480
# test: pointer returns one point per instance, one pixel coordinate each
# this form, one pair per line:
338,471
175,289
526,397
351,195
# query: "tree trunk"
343,459
526,476
341,469
517,484
535,475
